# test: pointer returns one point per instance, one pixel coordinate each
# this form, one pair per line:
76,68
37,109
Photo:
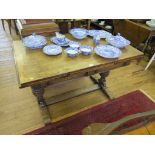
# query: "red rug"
108,112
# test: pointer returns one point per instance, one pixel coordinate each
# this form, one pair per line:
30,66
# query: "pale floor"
20,113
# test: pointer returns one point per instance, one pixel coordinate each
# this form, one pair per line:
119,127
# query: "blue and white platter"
57,41
34,41
74,44
101,33
72,52
107,51
86,50
52,49
118,41
79,33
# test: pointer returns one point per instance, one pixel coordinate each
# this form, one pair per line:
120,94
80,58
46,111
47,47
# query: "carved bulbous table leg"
38,91
102,83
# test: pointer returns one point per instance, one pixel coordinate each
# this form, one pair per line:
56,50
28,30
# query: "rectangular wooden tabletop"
34,65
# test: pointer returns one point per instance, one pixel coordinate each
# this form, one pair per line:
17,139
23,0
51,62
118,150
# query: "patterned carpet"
132,103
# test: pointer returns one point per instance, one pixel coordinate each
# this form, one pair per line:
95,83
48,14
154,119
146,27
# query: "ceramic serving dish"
72,52
52,50
78,33
118,41
74,44
60,42
103,34
86,50
107,51
34,41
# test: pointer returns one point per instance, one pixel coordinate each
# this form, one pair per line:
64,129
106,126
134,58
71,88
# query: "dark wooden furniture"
81,23
98,26
40,26
37,70
136,32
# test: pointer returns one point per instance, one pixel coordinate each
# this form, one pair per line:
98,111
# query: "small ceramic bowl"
86,50
72,52
74,44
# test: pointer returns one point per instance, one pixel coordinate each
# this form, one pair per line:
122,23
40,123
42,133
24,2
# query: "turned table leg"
38,91
102,84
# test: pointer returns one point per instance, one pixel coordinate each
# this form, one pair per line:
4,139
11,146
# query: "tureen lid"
34,40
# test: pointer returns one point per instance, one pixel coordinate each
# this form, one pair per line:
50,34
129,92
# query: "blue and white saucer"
52,49
57,41
108,51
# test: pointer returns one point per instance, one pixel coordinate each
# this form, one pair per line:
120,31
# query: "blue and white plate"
52,49
34,41
72,52
86,50
74,44
118,41
78,33
102,34
59,42
108,51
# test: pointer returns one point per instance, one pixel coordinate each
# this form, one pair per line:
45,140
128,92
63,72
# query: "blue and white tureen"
78,33
52,49
34,41
118,41
107,51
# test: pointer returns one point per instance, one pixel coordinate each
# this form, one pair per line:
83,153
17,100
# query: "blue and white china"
72,52
103,34
52,49
74,44
108,51
65,42
118,41
78,33
151,23
86,50
60,37
34,41
96,39
93,33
